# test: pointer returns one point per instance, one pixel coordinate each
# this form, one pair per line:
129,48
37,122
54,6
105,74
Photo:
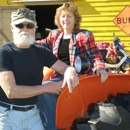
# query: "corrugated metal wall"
98,15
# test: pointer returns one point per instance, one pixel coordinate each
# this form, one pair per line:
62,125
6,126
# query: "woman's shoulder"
85,31
55,31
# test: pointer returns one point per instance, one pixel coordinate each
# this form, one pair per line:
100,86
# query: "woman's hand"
103,73
70,79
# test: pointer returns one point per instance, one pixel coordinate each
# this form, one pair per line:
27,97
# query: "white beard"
24,39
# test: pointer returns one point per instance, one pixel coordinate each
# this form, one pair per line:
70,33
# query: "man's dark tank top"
63,51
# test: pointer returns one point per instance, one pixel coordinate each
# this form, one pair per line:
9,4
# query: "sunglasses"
28,26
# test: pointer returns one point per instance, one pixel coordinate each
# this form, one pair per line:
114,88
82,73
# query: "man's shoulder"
5,49
6,45
39,47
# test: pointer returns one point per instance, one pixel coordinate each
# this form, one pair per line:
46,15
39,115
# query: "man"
21,67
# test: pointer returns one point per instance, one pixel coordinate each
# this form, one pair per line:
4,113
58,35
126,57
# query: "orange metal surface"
47,72
90,90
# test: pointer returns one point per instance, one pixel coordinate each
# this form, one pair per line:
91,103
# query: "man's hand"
103,73
70,79
53,87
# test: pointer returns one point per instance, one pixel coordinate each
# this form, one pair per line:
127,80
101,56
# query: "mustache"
24,33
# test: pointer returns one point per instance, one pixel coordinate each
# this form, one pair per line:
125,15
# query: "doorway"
45,19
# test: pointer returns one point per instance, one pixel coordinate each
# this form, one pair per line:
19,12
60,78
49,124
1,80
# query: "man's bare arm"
8,84
70,75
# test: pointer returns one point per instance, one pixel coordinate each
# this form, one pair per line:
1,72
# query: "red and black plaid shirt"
81,43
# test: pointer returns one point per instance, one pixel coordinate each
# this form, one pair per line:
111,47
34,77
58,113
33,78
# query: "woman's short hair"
69,6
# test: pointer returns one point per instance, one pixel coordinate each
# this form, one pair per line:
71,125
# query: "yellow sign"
122,20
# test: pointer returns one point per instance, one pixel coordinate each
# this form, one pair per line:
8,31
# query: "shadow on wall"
87,9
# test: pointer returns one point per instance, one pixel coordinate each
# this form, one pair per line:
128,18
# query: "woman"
67,42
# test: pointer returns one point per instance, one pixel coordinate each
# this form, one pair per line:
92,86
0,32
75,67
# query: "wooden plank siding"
98,15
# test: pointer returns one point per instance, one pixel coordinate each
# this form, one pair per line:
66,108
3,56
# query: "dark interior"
45,19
